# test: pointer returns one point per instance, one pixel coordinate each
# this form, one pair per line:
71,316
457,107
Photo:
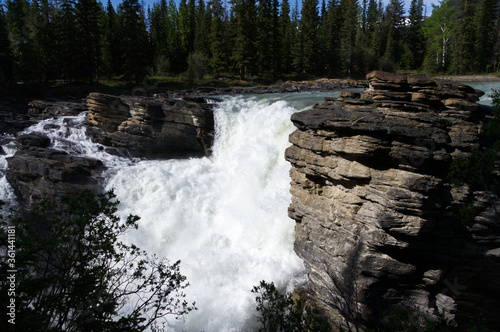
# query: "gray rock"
37,172
370,180
151,127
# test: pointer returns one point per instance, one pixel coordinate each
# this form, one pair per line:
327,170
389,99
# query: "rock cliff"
151,127
376,214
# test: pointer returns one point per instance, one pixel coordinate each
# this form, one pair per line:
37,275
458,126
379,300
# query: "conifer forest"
89,41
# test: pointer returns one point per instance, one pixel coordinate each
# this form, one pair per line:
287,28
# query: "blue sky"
428,3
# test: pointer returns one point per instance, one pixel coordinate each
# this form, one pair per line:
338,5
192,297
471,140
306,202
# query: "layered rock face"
151,127
377,218
37,172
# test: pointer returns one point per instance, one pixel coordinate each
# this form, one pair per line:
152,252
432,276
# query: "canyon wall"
379,225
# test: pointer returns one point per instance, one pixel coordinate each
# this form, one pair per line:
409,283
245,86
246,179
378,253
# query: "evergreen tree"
298,42
158,35
395,15
438,29
464,38
134,42
201,41
264,36
245,38
44,39
350,11
184,34
191,25
380,29
176,53
21,39
218,61
276,39
287,37
88,16
333,24
309,22
372,26
6,65
415,38
486,17
67,46
110,48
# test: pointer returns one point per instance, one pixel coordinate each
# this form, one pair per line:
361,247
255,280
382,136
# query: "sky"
427,3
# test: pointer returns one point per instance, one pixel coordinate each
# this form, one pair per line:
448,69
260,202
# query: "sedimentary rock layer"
377,217
151,127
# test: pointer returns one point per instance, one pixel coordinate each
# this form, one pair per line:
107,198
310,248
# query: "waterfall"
224,217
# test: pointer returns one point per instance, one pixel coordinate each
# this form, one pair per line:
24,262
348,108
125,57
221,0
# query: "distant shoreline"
470,78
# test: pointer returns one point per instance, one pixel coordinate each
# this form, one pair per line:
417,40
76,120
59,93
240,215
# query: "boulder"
37,172
376,215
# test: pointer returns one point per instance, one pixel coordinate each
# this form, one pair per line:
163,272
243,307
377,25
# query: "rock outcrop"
37,172
41,109
376,216
151,127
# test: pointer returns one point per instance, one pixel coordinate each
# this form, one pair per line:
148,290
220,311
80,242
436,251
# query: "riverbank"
471,78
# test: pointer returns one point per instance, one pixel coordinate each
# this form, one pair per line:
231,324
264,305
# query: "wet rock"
37,172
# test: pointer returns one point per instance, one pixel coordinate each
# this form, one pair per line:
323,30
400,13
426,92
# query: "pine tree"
264,37
44,39
110,50
287,37
134,42
298,42
67,46
276,39
218,61
350,12
88,16
415,38
201,42
183,30
464,38
486,17
395,15
333,24
6,64
309,34
245,39
21,40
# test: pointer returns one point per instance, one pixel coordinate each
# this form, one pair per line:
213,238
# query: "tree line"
82,40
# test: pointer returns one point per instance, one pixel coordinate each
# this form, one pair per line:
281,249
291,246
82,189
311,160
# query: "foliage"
81,40
400,318
74,273
480,168
280,312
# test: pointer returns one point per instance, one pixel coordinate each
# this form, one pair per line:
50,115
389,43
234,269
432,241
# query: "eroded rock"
151,127
376,212
37,172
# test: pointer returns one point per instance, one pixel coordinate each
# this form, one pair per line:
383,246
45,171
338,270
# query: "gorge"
367,175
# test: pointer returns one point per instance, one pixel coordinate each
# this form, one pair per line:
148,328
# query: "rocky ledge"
152,127
37,172
376,216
